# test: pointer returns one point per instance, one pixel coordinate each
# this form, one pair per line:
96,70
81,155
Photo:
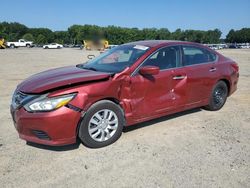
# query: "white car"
245,46
53,46
213,47
20,43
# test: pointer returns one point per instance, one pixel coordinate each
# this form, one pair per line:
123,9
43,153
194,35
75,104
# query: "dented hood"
59,77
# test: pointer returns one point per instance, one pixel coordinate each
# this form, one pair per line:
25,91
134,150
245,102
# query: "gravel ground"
196,148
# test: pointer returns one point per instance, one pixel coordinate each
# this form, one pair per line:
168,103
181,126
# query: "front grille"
41,134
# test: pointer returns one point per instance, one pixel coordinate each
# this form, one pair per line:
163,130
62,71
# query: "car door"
200,67
22,43
53,45
156,94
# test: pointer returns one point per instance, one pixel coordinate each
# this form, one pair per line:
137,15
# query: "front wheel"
102,124
218,96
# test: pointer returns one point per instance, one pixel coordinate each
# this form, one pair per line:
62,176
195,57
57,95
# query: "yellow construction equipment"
95,45
2,46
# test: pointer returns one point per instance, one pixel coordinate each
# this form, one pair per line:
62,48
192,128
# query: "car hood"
56,78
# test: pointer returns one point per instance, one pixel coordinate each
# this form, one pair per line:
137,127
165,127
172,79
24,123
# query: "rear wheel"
102,124
28,45
12,46
218,96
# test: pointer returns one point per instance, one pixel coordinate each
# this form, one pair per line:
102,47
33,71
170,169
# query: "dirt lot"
196,148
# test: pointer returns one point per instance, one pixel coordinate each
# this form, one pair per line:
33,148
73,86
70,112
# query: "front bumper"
55,128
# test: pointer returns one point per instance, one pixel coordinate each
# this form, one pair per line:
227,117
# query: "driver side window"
165,58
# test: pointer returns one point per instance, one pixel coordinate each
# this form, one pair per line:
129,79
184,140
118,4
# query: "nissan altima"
131,83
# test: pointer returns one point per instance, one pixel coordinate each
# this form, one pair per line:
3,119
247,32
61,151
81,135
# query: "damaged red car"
131,83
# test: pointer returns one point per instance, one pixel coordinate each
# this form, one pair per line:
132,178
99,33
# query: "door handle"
179,77
213,69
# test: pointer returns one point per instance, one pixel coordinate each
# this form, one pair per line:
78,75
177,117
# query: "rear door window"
193,55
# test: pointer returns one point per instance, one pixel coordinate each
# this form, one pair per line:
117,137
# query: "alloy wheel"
219,96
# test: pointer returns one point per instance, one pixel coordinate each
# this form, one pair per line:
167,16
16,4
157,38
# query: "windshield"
116,59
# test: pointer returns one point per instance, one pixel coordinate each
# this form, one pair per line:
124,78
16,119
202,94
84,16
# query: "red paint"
58,77
143,96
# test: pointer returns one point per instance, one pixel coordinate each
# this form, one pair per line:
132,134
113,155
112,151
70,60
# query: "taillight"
235,67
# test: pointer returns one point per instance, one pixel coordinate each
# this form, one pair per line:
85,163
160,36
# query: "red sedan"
131,83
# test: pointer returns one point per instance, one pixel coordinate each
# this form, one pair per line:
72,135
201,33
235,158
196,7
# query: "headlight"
45,103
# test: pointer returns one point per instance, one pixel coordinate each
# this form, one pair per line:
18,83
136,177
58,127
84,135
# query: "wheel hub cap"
103,125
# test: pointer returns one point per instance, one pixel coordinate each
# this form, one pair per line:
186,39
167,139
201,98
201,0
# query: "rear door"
201,71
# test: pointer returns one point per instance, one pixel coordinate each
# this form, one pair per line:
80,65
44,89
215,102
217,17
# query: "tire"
28,45
95,130
218,96
58,47
46,47
12,46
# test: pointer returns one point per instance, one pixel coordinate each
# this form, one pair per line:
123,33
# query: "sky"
171,14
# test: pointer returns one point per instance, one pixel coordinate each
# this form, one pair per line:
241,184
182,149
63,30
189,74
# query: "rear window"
195,55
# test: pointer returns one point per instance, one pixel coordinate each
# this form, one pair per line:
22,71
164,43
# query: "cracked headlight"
45,103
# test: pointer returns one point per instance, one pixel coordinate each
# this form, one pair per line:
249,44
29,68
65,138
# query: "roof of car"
155,43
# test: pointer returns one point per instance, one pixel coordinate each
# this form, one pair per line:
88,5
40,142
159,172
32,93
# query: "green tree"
41,39
116,35
43,31
28,37
62,37
239,36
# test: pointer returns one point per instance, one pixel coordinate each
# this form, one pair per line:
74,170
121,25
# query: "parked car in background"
20,43
132,83
53,46
244,46
68,45
234,46
217,46
220,47
213,47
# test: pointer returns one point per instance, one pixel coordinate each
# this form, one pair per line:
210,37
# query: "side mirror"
149,70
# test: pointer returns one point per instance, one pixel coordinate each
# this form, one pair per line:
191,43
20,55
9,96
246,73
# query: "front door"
158,94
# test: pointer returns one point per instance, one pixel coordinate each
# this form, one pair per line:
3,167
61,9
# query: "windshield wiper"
88,68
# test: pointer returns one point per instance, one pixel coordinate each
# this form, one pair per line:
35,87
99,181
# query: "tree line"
238,36
115,35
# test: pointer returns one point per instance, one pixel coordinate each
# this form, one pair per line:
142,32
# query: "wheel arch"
116,101
112,99
228,83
